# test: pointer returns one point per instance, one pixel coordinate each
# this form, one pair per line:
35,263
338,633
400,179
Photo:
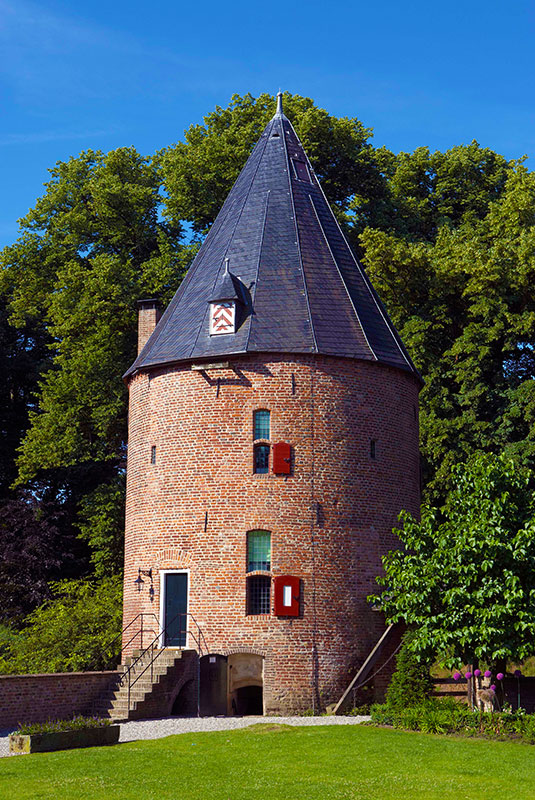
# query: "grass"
278,762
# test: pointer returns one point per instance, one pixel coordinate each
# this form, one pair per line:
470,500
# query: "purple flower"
456,676
468,675
517,673
477,673
492,688
488,673
499,676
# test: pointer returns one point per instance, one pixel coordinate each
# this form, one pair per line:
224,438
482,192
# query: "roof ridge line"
298,242
268,193
231,237
372,351
367,283
188,277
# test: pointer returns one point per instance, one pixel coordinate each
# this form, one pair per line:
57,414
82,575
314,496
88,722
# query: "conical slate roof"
302,289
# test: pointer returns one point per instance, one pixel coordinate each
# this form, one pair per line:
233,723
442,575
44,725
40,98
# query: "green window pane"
261,424
258,550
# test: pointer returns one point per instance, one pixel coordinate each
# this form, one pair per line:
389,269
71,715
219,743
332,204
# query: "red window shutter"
282,458
287,591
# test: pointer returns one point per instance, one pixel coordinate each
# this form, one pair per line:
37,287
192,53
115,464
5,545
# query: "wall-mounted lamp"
139,580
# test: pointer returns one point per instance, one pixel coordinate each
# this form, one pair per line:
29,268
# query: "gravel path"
158,728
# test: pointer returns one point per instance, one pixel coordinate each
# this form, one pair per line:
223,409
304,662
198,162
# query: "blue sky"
95,75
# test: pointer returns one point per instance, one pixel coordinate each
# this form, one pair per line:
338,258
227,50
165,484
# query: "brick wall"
37,698
330,520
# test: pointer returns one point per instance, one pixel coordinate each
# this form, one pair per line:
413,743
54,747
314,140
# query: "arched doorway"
231,685
245,684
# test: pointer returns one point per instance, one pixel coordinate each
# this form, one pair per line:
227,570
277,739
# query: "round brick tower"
273,441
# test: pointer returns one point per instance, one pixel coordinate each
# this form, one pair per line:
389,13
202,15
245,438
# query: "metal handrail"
139,632
199,638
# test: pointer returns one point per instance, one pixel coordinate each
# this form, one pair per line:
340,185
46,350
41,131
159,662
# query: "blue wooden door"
175,608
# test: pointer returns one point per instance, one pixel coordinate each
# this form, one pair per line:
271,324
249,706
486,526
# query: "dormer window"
222,318
228,293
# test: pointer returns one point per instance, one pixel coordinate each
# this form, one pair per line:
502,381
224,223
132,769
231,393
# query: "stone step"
135,691
121,708
142,663
145,678
147,685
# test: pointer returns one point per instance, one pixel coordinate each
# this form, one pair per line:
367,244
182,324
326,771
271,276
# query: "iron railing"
156,651
140,631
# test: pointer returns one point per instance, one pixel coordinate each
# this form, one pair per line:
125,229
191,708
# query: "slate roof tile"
305,290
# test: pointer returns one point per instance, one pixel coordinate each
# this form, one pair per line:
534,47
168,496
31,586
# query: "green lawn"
271,762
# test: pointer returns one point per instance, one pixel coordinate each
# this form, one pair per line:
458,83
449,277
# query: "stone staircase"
151,693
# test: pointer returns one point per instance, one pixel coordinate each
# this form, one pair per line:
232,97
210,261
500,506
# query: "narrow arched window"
258,551
261,424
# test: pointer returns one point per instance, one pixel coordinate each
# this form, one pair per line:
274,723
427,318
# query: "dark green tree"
464,579
77,629
427,191
465,307
23,357
90,248
411,681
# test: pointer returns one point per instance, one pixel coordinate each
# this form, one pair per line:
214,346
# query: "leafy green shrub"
411,682
359,711
75,631
437,715
8,636
447,581
60,725
382,714
524,726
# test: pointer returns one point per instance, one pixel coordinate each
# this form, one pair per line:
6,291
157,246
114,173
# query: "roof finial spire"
279,111
227,260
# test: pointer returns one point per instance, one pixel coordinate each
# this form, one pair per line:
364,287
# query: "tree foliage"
23,356
465,307
34,548
411,681
91,247
465,577
78,629
101,523
199,172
